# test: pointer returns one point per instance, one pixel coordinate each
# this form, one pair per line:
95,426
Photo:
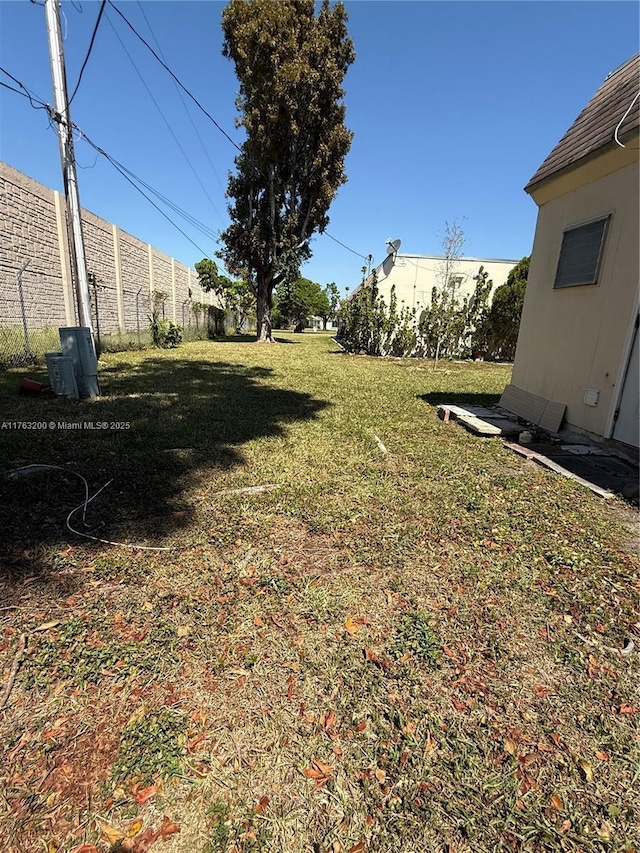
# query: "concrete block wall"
136,287
34,226
29,231
99,252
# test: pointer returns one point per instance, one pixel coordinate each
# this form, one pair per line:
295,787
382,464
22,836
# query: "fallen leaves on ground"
143,841
145,794
319,772
352,626
372,657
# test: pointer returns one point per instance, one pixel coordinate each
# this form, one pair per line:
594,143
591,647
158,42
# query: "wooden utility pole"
67,158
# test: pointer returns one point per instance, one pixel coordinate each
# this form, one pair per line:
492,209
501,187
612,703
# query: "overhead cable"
86,59
200,226
122,169
164,118
118,168
184,103
26,92
353,251
178,81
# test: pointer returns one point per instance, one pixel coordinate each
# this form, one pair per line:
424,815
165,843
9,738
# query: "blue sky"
454,105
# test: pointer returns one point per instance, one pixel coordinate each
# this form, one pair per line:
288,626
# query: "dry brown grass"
256,672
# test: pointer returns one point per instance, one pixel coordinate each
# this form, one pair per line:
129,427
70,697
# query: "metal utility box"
76,343
48,357
62,376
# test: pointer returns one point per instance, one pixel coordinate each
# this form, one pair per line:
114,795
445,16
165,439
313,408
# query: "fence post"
25,327
95,299
117,264
173,290
183,326
138,313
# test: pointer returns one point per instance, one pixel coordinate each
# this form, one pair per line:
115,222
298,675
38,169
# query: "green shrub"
165,334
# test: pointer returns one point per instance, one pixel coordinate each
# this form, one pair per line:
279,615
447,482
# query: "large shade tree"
291,64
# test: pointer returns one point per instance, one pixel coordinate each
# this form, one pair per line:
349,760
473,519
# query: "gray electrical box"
48,356
62,376
76,343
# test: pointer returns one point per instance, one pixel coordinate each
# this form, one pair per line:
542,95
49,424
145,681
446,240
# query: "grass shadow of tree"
188,419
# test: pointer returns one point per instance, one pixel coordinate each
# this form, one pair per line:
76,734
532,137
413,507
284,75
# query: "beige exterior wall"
576,338
415,276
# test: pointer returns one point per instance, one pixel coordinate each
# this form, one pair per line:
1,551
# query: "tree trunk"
263,311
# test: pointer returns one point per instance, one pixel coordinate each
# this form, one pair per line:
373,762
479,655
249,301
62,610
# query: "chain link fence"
32,308
31,311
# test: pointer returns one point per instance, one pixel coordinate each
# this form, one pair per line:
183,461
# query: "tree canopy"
294,302
290,64
235,295
506,311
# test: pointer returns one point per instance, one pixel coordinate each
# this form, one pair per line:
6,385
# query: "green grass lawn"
408,651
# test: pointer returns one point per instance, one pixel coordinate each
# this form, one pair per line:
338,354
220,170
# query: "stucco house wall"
575,338
576,342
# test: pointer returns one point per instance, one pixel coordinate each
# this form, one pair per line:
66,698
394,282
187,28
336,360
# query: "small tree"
444,301
235,295
164,333
332,304
241,302
366,321
477,319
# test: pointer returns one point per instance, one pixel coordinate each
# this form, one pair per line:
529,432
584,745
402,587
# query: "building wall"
415,276
33,228
575,338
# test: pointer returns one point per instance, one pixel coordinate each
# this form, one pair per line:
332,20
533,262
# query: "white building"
415,276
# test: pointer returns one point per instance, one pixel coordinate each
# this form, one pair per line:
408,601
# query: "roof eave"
532,186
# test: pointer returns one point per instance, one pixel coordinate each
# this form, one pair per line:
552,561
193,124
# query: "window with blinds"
581,253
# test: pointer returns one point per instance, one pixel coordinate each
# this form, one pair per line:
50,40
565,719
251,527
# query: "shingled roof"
594,128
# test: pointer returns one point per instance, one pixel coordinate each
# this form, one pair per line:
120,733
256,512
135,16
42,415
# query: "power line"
27,93
86,59
12,89
142,193
126,172
123,171
178,81
164,118
353,251
186,109
200,226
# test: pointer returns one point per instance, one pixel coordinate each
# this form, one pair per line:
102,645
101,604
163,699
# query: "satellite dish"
393,246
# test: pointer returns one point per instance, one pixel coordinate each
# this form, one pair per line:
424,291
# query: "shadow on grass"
459,398
250,339
234,339
201,412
